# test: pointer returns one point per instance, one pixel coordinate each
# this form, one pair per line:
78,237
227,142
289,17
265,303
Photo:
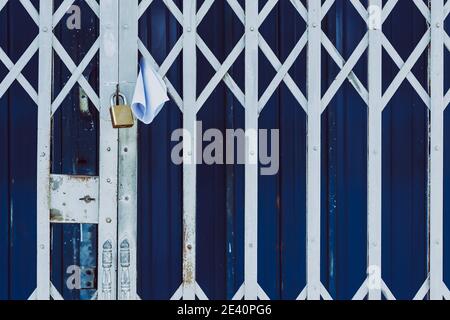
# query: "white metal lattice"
119,31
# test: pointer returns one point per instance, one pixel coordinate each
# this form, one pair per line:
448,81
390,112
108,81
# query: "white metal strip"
55,293
436,200
16,70
424,289
20,78
239,294
387,292
303,295
374,156
362,292
314,149
128,153
251,165
189,147
109,61
43,150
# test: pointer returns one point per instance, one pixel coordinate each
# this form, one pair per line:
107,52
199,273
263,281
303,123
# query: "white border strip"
374,145
314,149
436,200
43,156
189,147
107,232
251,165
128,154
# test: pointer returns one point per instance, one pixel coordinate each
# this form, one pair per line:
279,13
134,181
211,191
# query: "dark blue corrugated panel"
220,227
18,118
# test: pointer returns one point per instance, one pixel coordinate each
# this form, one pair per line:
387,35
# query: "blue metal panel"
18,162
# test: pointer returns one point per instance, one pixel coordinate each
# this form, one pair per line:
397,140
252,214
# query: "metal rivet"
42,247
250,245
45,29
437,148
438,25
64,204
252,153
43,154
108,149
125,26
127,198
252,29
189,246
315,148
108,180
189,29
125,150
108,220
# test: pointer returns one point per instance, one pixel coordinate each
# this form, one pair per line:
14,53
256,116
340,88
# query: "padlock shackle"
115,99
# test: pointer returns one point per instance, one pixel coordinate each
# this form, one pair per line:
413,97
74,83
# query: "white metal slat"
251,165
189,147
374,157
107,230
43,148
436,196
128,153
313,150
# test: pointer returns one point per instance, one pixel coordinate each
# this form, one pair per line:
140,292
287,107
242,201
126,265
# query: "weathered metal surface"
74,199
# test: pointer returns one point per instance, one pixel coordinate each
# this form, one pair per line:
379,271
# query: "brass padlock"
121,114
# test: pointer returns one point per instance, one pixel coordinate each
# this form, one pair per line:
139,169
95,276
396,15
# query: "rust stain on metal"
80,178
56,215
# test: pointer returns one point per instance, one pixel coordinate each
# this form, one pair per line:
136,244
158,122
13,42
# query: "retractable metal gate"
110,199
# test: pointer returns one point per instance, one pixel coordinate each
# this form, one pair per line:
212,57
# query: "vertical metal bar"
314,149
109,72
437,145
43,156
128,58
189,147
251,165
374,157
